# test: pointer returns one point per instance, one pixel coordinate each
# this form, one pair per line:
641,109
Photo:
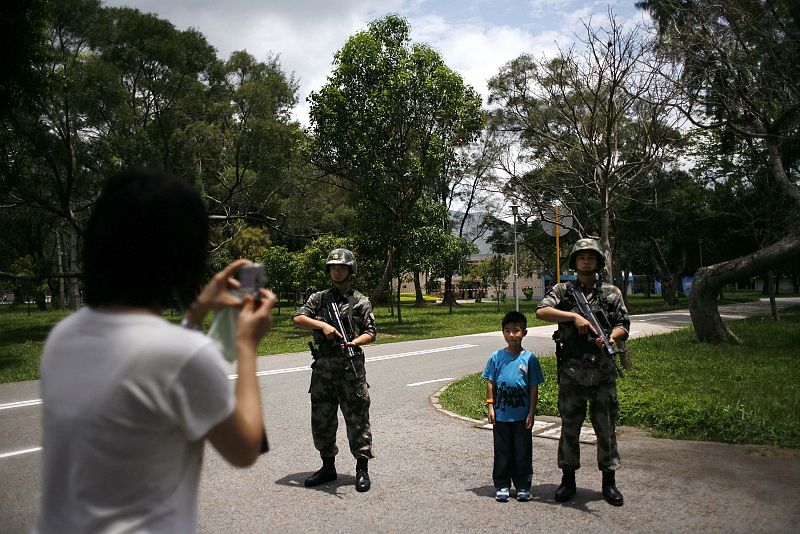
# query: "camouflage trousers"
336,382
603,413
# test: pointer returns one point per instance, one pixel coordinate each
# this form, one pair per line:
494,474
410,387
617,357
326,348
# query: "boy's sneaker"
502,495
523,495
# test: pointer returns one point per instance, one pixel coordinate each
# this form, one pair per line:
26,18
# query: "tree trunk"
624,287
625,357
399,285
419,300
709,281
58,303
449,297
765,282
669,289
605,241
376,297
74,289
773,306
669,286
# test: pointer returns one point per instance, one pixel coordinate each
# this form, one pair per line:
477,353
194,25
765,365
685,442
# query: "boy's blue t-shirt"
513,375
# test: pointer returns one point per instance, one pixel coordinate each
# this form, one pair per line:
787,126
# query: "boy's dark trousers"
513,455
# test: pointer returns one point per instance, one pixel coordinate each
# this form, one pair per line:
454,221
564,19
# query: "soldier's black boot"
326,474
610,492
362,476
566,490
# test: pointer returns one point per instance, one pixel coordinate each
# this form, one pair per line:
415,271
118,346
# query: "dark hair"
146,242
516,318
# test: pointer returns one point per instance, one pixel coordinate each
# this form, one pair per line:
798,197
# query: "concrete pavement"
433,472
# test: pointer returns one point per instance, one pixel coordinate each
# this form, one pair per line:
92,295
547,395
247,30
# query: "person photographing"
129,399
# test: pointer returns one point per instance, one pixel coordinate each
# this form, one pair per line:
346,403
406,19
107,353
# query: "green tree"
118,87
588,125
452,258
494,271
736,63
278,270
154,82
386,125
249,242
242,152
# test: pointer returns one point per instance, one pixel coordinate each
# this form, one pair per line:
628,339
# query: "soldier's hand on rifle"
330,332
583,325
600,341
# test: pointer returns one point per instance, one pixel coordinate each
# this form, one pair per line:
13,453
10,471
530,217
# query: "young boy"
512,391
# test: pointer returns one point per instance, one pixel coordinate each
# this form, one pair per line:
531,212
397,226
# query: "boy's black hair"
516,318
146,242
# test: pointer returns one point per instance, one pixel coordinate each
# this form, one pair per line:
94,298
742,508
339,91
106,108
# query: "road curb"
547,427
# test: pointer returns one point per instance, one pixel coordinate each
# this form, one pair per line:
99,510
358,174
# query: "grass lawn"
638,304
22,335
683,389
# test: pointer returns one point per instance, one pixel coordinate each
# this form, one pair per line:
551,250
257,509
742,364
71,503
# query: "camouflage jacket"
579,356
354,308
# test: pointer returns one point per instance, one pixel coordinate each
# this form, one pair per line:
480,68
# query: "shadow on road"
295,480
544,493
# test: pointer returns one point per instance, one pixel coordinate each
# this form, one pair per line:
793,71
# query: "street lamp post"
514,210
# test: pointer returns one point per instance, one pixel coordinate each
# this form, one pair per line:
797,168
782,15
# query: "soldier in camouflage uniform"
337,378
585,372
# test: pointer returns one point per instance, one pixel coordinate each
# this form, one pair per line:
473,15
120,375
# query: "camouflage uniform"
585,374
336,380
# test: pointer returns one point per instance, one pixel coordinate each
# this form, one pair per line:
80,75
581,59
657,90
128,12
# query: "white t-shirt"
127,400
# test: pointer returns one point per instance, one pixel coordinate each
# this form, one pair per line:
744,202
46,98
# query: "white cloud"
475,37
477,52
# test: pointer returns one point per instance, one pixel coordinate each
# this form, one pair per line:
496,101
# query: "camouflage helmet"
583,245
342,256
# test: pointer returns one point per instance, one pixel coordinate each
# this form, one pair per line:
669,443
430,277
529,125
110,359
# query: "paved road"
433,471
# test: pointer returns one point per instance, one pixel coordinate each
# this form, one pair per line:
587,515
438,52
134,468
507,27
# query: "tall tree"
386,124
116,87
585,127
467,190
53,130
159,80
737,65
241,153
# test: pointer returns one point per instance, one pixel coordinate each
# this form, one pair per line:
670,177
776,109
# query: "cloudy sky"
475,37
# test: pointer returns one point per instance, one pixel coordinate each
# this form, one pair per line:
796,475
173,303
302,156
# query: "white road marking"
429,382
20,404
35,402
15,453
372,359
416,352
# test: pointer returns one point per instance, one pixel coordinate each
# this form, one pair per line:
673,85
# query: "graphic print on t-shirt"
510,397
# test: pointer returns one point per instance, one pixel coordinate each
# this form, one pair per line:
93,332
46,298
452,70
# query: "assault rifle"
339,325
586,311
343,343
